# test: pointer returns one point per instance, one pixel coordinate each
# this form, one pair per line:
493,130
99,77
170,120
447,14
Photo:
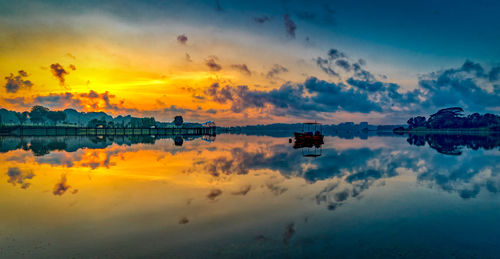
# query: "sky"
252,62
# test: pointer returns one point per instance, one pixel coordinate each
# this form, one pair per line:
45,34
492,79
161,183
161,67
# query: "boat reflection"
309,140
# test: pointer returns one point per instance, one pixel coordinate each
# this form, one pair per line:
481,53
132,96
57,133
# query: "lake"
247,196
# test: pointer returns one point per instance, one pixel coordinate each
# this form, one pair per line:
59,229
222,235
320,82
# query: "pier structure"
101,131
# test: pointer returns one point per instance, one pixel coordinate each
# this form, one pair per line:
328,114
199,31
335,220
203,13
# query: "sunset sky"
252,62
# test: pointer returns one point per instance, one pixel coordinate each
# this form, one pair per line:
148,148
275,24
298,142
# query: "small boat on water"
311,134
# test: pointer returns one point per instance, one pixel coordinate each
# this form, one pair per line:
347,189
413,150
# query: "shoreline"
420,131
88,131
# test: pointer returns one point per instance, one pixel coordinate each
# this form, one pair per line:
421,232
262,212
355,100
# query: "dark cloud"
182,39
72,67
243,190
51,101
220,94
59,72
15,83
212,64
261,19
61,187
276,189
341,196
388,94
325,65
468,86
92,98
275,70
183,220
301,99
289,232
290,26
336,58
18,176
494,74
218,7
213,194
361,73
343,64
334,54
58,100
242,67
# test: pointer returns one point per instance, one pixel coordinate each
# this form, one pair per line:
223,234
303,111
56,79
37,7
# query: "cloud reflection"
20,177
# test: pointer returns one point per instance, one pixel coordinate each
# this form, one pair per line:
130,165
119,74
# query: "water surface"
249,196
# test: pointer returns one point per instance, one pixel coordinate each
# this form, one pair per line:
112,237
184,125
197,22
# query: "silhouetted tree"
22,116
38,114
178,140
446,118
56,116
416,122
178,121
453,118
95,122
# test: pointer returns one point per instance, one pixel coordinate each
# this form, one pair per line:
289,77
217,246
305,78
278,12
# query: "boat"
311,134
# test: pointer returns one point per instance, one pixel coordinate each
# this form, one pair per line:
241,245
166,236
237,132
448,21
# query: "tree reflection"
452,144
41,146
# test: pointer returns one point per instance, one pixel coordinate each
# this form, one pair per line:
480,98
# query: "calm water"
250,196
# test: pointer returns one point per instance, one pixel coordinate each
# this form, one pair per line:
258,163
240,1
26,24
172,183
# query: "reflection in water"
247,196
452,144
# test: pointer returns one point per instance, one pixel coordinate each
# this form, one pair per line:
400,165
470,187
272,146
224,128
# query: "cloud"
243,190
61,187
343,64
334,54
212,64
91,101
18,176
289,232
468,86
261,19
338,59
182,39
325,65
494,74
15,83
302,99
275,70
290,26
242,67
59,72
72,67
213,194
183,220
276,189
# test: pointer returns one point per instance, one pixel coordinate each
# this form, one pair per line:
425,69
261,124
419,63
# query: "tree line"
44,116
454,118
